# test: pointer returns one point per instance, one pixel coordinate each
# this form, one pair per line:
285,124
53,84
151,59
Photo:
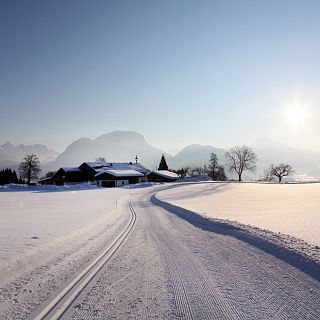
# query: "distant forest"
9,176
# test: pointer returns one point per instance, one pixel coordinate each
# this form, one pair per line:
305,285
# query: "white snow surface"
291,209
117,166
166,174
173,265
121,173
37,220
71,169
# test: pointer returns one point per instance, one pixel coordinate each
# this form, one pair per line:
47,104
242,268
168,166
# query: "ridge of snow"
121,173
166,174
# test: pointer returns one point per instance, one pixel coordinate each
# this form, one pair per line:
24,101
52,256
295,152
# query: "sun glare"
295,115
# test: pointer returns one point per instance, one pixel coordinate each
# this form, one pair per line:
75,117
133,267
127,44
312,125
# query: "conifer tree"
163,164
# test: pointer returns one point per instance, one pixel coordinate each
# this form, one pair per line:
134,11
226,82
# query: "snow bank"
292,209
294,251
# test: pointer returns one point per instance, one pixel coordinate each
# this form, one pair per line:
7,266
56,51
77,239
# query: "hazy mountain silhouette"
11,156
273,152
196,155
116,146
123,146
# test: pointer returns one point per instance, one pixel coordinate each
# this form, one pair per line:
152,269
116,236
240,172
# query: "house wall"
88,171
120,183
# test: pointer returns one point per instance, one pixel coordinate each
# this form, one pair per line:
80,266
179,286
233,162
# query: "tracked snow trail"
170,269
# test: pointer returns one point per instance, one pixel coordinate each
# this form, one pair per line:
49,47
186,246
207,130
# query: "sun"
295,115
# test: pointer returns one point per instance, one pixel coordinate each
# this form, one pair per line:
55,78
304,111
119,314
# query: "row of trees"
214,170
29,170
9,176
238,160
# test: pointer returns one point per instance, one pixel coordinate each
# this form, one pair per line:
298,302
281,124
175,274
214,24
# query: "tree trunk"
240,178
280,178
29,177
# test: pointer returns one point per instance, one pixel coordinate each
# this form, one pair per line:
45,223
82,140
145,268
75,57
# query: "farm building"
118,178
65,175
103,173
162,176
92,168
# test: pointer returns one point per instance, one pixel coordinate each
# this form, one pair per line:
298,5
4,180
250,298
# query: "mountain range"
124,146
11,156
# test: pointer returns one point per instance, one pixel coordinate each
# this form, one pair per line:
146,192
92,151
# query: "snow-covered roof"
97,164
68,169
121,173
166,174
117,166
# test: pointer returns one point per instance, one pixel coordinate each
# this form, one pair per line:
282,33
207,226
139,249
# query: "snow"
292,209
117,166
69,169
166,174
35,221
121,173
170,266
97,164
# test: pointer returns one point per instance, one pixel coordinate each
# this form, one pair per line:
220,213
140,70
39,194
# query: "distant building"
103,173
118,178
65,175
162,176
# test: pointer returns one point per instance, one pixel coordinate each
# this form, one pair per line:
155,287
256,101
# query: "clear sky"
177,71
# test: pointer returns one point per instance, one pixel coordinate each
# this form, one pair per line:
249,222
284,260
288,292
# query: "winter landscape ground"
292,209
79,252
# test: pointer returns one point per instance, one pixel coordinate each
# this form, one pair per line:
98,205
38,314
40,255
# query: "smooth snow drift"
292,209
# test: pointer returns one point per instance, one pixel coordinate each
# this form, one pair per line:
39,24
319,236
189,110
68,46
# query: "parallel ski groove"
62,302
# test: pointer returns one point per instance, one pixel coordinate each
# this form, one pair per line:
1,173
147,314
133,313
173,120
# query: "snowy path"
169,267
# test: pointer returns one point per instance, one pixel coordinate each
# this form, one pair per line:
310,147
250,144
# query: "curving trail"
171,269
158,264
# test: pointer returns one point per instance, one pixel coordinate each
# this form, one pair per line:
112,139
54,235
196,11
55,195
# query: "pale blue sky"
179,72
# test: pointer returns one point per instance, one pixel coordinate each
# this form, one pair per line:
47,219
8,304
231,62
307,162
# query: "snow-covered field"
292,209
171,264
45,225
36,221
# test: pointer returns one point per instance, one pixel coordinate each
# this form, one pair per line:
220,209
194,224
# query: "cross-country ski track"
161,264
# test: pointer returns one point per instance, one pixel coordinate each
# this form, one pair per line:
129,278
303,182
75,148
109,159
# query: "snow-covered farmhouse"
162,176
105,174
118,178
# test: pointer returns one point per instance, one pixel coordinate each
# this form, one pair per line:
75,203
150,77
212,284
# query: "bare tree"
241,158
281,170
196,171
267,175
100,159
182,172
29,168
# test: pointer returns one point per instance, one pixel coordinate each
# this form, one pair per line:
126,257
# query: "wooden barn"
65,175
162,176
118,178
